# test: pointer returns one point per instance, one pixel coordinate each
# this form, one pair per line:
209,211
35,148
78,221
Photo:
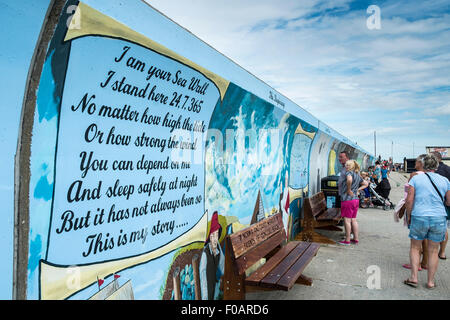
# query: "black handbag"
447,208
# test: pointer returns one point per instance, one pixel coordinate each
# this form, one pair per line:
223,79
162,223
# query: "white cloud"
418,121
332,64
439,111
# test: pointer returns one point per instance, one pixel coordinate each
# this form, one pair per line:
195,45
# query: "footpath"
350,272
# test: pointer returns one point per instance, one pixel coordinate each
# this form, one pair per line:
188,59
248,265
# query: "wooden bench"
284,263
318,216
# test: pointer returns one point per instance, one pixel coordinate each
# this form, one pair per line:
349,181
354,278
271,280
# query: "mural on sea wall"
143,161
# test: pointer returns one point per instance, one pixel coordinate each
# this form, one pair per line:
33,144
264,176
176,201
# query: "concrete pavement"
347,272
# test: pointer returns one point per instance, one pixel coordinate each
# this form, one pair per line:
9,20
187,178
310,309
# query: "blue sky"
321,54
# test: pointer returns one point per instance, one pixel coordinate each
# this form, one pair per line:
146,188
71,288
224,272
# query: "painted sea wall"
140,148
21,24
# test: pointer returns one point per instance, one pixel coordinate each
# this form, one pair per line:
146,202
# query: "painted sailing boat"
113,291
258,212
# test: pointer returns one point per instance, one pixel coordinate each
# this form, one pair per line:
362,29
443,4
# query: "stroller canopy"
383,188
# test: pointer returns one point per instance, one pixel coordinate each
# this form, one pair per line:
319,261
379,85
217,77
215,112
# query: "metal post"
392,151
375,142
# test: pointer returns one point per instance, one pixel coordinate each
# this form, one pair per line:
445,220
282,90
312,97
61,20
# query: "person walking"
370,171
427,218
377,172
384,172
350,188
443,170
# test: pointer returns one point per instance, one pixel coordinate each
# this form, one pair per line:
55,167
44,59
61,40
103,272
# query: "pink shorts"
349,209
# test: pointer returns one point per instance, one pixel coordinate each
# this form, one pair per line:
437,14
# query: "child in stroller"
375,195
364,197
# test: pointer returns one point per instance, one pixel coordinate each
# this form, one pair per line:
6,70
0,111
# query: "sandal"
442,258
408,266
410,283
345,243
354,241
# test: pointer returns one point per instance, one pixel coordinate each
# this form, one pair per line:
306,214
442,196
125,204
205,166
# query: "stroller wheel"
385,207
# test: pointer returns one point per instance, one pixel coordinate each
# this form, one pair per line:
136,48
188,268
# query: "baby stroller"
380,194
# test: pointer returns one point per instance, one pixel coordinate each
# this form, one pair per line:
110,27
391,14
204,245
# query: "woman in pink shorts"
349,200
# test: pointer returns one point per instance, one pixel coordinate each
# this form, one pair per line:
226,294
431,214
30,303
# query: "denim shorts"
431,228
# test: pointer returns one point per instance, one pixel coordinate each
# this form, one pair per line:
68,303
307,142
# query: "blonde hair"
354,166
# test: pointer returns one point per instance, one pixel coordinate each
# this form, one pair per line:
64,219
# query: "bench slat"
275,275
318,204
249,238
289,278
251,257
259,274
330,214
316,211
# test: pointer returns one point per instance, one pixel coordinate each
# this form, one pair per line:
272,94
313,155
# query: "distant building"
408,165
444,151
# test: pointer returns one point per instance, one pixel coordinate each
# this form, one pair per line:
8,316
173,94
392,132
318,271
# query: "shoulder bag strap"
440,195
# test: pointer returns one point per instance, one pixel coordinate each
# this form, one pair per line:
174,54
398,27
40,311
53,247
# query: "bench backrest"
251,244
316,203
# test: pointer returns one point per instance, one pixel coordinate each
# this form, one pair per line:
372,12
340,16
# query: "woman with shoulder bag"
427,217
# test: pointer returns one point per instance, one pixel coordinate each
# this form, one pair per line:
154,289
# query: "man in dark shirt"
443,170
343,158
